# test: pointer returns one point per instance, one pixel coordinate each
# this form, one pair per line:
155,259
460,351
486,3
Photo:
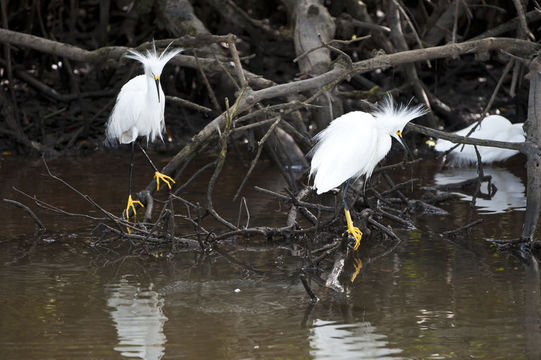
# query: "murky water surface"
432,298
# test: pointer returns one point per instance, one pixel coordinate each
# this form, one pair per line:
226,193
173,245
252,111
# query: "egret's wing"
129,104
136,112
343,150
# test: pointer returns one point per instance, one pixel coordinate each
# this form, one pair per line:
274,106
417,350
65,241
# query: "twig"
397,165
398,186
395,218
464,140
194,176
292,214
30,212
511,25
522,19
147,237
258,153
212,96
329,45
306,286
244,204
298,203
84,196
236,60
47,206
394,188
227,72
384,229
412,27
327,250
221,160
253,125
188,104
498,85
465,227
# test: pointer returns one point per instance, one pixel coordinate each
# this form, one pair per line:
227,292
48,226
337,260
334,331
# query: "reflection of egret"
493,127
510,193
330,340
139,111
353,144
138,319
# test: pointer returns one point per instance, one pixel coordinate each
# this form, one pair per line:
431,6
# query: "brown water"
431,298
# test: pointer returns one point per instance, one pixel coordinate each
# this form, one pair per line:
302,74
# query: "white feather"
140,105
493,127
354,143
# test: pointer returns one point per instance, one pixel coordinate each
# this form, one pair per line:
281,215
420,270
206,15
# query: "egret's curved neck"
152,89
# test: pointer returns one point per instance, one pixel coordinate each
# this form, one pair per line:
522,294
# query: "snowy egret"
353,144
139,111
493,127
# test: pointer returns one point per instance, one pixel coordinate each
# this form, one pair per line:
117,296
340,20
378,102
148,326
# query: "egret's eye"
156,77
399,133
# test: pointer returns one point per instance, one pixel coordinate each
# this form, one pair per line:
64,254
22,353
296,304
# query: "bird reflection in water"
510,193
332,340
138,318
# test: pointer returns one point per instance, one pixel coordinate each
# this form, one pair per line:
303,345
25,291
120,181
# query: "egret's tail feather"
110,143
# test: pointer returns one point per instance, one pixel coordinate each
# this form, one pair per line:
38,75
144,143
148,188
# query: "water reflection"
332,340
430,298
138,319
510,194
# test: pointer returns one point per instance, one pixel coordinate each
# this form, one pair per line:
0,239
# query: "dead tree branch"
38,222
532,150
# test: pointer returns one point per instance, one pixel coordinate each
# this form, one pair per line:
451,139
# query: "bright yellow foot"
131,205
166,179
357,234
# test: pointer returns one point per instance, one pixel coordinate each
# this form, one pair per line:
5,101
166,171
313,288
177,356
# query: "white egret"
353,144
493,127
139,111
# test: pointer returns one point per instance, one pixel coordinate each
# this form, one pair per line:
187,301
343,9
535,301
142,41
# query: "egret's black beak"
399,133
157,79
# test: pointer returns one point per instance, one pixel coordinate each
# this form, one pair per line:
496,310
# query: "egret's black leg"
158,175
357,234
345,194
131,202
131,166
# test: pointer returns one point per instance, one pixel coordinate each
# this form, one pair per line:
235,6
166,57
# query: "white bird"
353,144
493,127
139,111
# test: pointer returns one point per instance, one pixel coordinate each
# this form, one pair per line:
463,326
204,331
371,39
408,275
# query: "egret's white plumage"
140,105
139,111
493,127
354,143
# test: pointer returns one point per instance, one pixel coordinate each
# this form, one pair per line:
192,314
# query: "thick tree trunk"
314,26
532,149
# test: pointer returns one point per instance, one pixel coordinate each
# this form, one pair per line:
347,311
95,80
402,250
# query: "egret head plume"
394,118
152,62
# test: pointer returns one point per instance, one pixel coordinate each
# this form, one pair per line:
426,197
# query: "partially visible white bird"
139,111
353,144
493,127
